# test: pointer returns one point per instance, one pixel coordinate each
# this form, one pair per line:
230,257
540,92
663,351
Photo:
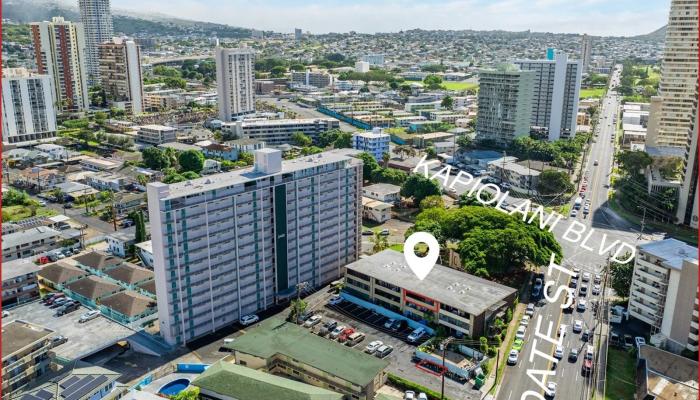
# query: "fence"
352,121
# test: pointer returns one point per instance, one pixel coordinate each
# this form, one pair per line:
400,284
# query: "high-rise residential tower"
120,74
59,48
235,82
96,17
504,104
28,107
557,83
679,75
687,210
239,242
586,49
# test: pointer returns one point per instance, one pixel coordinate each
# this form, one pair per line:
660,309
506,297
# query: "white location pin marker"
421,266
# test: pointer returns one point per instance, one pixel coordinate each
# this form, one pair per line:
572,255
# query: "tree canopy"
419,187
191,160
489,239
155,158
621,277
553,182
300,139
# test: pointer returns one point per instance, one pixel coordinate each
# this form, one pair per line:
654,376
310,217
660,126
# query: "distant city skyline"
595,17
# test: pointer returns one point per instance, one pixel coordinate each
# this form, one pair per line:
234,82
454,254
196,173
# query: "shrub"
405,384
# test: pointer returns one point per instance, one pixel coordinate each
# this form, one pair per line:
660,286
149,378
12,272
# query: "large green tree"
300,139
419,187
489,239
191,160
553,182
369,164
433,82
155,158
633,162
621,277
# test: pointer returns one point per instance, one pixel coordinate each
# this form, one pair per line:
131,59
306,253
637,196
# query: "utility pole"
641,228
443,346
114,211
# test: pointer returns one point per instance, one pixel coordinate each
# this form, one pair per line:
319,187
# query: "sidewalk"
491,382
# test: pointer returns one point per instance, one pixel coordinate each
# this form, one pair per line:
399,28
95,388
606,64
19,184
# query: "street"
571,383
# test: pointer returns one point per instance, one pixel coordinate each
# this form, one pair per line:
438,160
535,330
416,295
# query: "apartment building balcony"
647,296
644,316
652,267
23,360
649,284
645,307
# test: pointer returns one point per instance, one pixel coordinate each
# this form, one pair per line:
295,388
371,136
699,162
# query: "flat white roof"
673,251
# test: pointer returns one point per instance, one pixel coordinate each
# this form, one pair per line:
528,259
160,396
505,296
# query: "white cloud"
571,16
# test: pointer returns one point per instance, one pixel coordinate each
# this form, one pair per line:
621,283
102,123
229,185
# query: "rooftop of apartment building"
275,122
382,188
672,251
446,285
97,260
277,336
93,287
129,303
20,267
61,272
218,181
19,334
130,273
75,384
235,381
159,128
28,236
669,376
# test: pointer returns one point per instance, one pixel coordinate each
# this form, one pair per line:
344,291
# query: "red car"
344,335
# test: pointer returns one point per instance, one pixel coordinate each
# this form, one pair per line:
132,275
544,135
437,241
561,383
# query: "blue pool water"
174,387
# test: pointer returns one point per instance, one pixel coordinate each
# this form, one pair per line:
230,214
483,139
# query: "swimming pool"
174,387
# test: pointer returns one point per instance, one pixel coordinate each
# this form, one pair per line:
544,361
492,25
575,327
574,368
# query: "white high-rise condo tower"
120,74
555,97
59,48
235,82
28,109
239,242
96,17
679,76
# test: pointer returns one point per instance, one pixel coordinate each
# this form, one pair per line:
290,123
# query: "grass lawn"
460,85
398,247
591,93
16,213
620,375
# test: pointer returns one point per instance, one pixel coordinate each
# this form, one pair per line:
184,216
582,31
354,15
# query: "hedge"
405,384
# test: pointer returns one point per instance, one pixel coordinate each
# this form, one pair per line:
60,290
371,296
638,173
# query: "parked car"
578,326
384,232
373,346
551,389
586,335
639,341
92,314
337,331
520,334
562,330
67,308
409,395
573,283
518,344
416,335
389,323
628,341
596,290
383,351
525,320
399,324
530,310
367,233
313,321
597,278
58,302
355,338
345,334
586,277
306,315
335,300
249,319
513,357
327,328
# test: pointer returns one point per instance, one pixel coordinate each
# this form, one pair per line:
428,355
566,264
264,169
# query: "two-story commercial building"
464,304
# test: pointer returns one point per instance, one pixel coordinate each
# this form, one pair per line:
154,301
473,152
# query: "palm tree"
380,242
385,159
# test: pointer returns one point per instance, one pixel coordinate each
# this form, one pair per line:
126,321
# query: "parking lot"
83,339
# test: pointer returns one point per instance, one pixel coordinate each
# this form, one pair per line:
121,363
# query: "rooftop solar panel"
69,382
74,387
30,397
44,394
88,388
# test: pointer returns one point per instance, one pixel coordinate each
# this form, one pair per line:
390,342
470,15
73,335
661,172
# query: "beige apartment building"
664,293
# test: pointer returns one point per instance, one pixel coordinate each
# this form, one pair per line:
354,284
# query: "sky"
595,17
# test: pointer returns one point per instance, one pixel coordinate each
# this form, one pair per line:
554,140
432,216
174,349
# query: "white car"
249,319
596,290
581,306
520,334
315,319
562,330
416,335
578,326
559,352
530,310
639,341
335,300
525,321
513,357
586,277
92,314
373,346
337,331
597,278
551,389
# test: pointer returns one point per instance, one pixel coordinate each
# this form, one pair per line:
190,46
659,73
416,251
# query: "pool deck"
154,386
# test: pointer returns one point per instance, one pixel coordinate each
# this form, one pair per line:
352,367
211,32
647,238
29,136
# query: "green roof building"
225,380
284,348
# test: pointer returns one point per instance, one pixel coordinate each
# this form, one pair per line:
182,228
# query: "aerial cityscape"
311,200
